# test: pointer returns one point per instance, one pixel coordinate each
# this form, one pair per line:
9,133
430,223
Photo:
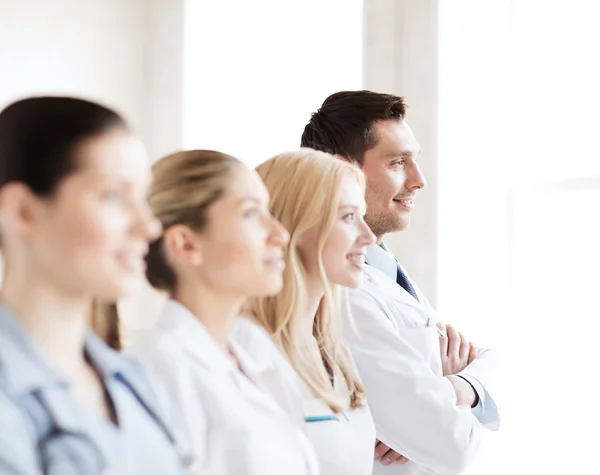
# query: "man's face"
393,177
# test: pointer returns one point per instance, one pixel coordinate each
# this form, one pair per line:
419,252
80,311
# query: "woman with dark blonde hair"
220,246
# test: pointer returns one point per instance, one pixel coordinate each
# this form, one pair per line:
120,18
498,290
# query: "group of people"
292,341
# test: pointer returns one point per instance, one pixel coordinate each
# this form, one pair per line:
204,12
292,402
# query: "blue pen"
331,417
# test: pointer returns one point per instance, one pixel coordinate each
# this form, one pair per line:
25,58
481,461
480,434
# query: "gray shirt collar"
25,368
379,257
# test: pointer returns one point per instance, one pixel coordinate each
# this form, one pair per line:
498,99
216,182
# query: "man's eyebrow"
404,154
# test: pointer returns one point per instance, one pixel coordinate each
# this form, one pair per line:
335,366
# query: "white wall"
126,54
555,231
164,75
475,145
163,109
86,48
251,85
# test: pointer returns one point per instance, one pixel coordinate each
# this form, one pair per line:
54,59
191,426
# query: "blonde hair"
185,185
305,192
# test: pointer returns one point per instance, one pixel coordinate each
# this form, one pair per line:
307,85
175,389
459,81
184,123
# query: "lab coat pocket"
323,429
344,442
425,342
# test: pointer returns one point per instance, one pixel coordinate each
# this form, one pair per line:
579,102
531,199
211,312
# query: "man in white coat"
429,389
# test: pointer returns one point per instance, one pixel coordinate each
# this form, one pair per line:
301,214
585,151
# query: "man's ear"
184,245
19,208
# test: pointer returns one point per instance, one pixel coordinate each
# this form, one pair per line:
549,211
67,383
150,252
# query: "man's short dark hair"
344,124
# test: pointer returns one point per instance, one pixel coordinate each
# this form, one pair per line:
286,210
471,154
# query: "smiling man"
428,387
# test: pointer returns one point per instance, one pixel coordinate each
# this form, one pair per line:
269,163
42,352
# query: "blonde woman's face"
343,254
242,243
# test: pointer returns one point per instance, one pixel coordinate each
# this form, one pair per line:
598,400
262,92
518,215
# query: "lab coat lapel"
388,287
263,377
193,337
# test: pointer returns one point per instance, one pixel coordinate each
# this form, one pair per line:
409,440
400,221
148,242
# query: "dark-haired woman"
74,228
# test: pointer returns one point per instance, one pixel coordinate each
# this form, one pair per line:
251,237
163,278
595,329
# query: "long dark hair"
39,138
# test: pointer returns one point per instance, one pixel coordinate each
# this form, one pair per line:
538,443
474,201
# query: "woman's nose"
366,236
279,234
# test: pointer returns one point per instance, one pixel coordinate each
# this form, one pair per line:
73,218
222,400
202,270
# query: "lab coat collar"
255,363
186,329
183,325
262,361
381,282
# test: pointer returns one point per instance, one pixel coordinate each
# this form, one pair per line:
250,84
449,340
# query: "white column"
401,57
162,128
164,73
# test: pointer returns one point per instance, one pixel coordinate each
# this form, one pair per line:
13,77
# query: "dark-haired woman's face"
91,236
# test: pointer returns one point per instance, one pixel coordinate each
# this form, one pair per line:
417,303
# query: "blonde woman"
320,201
220,246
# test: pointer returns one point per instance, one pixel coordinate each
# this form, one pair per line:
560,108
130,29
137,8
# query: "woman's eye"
251,213
112,196
349,217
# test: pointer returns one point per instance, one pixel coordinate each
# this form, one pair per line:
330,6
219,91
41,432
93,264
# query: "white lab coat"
395,344
344,442
231,426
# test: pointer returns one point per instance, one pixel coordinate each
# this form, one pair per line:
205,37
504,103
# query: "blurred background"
504,98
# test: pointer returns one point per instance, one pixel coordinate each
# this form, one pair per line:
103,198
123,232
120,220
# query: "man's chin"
403,223
391,224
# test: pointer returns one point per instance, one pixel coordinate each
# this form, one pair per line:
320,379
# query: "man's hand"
455,350
465,393
387,455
